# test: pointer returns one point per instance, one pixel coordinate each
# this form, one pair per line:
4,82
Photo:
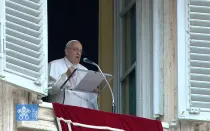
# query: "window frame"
145,61
2,19
181,58
158,58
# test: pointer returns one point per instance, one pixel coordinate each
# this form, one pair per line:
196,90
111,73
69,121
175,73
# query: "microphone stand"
113,104
61,88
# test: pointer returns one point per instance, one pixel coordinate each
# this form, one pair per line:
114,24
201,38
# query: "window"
133,57
24,44
129,53
128,77
129,94
129,42
193,37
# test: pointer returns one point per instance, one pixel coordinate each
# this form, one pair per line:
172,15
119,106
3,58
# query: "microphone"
90,62
87,61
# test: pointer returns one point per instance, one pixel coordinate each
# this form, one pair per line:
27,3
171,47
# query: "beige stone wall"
170,58
9,97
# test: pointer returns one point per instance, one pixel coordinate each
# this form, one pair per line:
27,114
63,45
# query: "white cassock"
57,76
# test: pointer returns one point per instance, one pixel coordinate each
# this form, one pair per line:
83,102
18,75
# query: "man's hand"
70,70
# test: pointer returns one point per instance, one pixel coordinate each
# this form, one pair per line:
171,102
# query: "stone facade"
9,97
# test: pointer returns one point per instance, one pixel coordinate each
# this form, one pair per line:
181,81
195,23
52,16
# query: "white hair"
71,42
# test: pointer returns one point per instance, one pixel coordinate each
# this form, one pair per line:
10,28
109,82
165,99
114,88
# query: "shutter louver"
26,43
23,22
199,19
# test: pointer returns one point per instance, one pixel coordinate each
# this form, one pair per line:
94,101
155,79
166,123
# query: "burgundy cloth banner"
74,118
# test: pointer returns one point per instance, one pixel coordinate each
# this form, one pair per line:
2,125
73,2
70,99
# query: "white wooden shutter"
25,44
194,84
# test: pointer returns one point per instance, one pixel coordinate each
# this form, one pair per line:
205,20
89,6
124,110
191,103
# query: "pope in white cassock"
60,70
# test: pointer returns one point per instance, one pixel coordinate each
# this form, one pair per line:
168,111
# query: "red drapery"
82,119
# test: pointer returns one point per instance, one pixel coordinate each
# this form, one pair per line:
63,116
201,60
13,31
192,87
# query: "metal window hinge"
2,76
194,110
38,82
174,123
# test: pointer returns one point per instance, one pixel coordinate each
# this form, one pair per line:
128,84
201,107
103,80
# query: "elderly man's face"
74,52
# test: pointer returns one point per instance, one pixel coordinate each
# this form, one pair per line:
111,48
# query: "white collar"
69,64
